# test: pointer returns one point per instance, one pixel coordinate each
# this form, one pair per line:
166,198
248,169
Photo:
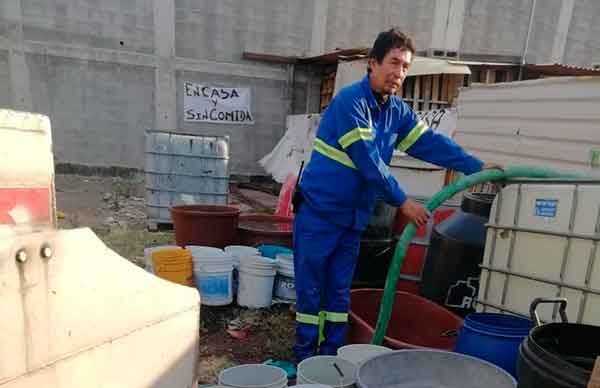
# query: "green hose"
440,197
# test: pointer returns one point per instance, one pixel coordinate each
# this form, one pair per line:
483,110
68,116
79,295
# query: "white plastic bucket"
239,252
213,274
323,370
257,275
253,376
359,353
285,286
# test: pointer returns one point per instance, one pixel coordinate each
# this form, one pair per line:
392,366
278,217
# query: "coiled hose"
440,197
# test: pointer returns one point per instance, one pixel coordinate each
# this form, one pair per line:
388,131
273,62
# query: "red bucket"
208,225
415,322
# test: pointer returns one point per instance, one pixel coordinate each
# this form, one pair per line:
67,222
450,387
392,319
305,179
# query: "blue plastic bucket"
494,338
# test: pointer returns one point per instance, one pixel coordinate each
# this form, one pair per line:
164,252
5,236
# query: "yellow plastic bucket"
174,264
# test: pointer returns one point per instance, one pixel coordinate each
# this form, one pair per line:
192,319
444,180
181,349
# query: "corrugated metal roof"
334,56
323,59
560,69
480,63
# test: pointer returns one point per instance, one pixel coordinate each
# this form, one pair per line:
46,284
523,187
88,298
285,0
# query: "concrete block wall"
5,92
222,30
546,24
583,38
356,23
212,35
107,70
99,110
495,27
109,24
269,106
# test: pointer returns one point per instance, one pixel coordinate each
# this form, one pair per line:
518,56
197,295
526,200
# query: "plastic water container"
359,353
329,370
285,286
257,276
239,252
494,338
253,376
213,274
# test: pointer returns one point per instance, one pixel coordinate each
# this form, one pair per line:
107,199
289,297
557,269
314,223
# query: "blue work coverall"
346,174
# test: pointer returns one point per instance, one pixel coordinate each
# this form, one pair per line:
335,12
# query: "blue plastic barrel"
494,338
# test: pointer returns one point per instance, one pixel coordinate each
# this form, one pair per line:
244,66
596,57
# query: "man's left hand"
492,166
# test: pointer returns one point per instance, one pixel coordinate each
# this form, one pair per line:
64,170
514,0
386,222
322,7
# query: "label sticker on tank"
546,207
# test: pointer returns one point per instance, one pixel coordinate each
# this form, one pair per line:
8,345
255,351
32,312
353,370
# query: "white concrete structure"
83,316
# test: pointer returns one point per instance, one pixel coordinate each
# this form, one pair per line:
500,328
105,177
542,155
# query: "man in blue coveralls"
346,174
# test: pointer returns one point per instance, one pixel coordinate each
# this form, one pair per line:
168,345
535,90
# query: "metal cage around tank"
542,241
184,169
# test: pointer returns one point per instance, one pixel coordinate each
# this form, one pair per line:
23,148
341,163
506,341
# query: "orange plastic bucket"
174,264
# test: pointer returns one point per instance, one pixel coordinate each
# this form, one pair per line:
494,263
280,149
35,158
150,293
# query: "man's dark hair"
388,40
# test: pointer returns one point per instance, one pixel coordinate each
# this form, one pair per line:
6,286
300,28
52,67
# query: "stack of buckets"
239,252
261,273
237,270
256,279
254,275
170,263
285,287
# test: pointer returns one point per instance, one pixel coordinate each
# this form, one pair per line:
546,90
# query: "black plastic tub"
558,355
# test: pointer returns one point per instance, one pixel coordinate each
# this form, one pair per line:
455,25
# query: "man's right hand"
415,212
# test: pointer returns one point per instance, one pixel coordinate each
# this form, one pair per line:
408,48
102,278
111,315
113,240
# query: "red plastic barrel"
410,274
209,225
415,323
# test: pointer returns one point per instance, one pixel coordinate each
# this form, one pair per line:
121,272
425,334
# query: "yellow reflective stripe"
307,318
355,135
412,136
333,153
322,316
336,317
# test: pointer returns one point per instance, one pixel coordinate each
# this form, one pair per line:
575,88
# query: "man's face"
387,77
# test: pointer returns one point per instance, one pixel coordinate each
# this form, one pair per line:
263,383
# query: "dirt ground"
114,209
